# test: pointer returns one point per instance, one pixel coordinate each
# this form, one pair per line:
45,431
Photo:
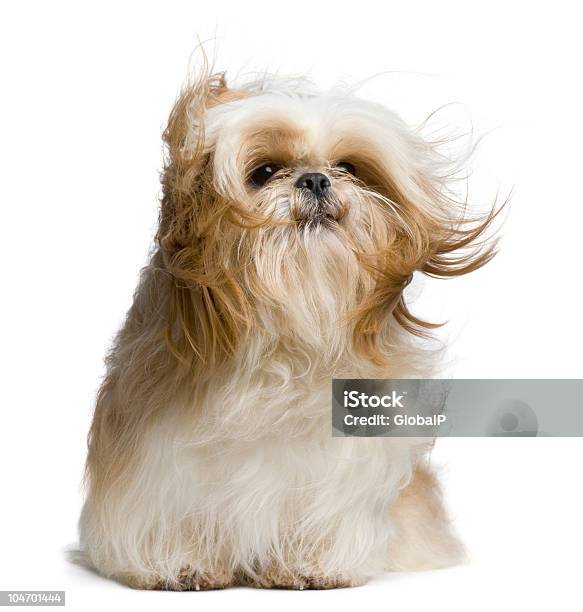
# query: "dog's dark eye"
346,167
263,174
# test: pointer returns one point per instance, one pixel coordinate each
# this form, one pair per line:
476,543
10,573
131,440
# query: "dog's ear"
188,156
432,234
208,312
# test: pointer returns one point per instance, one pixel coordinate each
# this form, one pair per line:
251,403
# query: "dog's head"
280,198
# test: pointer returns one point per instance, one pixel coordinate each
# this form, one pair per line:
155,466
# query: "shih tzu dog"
291,222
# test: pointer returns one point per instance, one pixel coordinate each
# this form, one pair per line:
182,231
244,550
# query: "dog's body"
290,224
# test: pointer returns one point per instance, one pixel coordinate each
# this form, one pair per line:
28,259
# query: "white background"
86,88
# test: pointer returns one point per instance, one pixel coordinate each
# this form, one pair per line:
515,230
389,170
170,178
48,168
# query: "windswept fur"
210,458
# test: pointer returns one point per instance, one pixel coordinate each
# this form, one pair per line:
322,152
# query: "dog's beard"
304,269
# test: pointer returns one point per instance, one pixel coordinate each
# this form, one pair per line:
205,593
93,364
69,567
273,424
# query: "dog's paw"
189,580
185,580
281,578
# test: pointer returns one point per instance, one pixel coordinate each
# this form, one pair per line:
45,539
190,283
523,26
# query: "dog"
291,222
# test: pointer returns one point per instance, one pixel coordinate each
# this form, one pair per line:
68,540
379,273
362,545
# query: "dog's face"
316,162
286,198
324,171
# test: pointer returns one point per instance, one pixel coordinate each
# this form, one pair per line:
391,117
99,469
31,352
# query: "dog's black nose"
316,182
